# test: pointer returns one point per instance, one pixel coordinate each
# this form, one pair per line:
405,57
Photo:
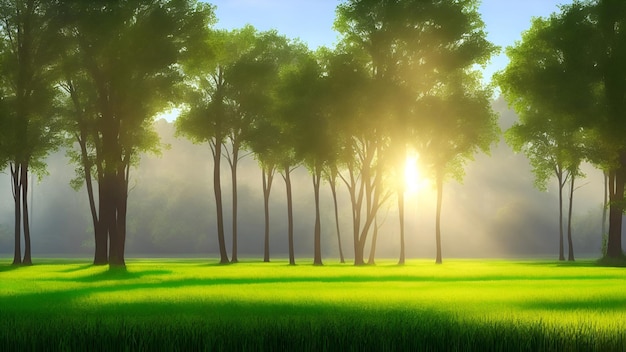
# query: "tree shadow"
606,304
9,267
78,268
120,274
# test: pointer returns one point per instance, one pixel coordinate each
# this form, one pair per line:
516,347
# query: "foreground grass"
195,305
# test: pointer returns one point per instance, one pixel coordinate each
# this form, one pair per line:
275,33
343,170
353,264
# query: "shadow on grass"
121,274
585,263
612,304
266,325
612,262
76,269
9,267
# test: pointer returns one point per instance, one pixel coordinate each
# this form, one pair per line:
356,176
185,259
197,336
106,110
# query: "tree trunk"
287,177
438,260
17,201
100,239
317,234
121,208
233,176
401,218
570,244
110,218
614,243
371,260
26,224
101,252
358,255
217,189
268,177
605,203
334,192
561,251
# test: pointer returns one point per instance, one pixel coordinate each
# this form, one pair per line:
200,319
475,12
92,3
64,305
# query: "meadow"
183,305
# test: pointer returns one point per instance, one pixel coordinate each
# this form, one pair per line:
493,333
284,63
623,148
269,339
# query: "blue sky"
312,20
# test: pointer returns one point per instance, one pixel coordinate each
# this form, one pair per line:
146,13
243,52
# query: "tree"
303,97
258,75
222,107
127,54
409,47
457,121
29,31
263,143
611,22
251,79
552,83
552,152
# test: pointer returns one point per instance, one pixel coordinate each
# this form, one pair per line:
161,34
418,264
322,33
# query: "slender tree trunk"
614,243
287,177
401,218
268,177
334,192
371,260
26,224
317,242
17,202
110,217
100,239
605,204
121,208
217,189
233,176
570,244
101,252
438,260
561,249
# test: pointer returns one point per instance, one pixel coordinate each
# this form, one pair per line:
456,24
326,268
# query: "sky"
312,20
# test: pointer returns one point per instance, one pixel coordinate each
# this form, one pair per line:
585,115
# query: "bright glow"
413,179
169,115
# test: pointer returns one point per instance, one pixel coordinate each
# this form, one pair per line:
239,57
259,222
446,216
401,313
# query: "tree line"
403,78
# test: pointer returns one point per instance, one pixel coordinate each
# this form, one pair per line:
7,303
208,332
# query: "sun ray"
414,181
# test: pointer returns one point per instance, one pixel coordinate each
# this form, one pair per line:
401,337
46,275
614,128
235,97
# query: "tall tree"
548,82
258,76
218,111
263,142
302,93
457,121
29,31
127,52
251,79
409,48
611,22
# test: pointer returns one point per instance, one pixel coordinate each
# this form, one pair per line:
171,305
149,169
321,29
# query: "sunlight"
169,115
413,179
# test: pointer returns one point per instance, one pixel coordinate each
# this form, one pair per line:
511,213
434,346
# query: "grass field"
198,305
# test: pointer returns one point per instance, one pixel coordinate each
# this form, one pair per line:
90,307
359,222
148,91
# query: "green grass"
199,305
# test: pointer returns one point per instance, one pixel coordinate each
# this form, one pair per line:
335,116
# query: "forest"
352,138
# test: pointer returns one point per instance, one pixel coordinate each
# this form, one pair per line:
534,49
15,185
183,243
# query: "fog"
495,212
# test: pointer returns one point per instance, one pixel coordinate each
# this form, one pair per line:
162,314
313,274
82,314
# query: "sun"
413,179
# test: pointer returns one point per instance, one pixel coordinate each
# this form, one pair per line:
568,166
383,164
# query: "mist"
496,212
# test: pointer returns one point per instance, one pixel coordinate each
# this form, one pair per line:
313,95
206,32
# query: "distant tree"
260,78
543,85
29,32
251,79
457,121
303,102
331,175
410,48
263,141
127,55
210,111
